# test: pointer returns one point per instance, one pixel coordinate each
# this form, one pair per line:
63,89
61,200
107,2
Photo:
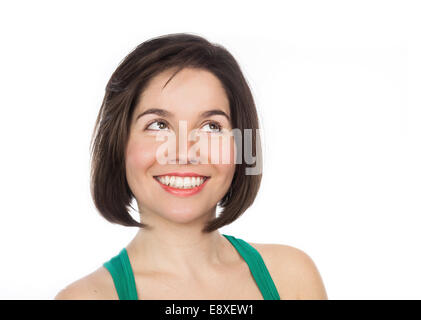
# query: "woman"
172,86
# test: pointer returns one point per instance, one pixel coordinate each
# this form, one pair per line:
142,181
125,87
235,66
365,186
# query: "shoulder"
293,271
97,285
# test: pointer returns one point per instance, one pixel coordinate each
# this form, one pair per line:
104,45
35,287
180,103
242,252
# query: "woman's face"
154,174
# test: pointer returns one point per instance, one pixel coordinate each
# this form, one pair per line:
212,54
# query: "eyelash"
219,127
158,120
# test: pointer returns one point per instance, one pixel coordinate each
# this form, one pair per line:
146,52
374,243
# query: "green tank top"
121,271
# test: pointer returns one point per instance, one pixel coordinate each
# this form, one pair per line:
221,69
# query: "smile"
182,184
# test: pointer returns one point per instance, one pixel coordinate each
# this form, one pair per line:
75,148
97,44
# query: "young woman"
172,86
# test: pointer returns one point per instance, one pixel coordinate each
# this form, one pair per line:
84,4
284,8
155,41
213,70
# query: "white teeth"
187,183
181,182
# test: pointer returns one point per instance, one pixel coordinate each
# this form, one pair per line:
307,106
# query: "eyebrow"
169,114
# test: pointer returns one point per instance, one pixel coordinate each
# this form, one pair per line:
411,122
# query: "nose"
184,154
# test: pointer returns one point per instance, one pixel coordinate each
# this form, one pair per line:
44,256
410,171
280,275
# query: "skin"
173,259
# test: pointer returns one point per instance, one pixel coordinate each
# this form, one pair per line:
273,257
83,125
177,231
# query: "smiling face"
194,98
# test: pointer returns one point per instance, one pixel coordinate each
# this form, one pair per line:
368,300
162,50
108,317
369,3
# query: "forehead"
189,91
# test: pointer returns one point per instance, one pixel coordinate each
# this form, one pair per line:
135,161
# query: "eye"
157,125
213,127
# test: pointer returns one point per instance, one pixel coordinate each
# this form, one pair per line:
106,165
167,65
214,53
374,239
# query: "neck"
177,248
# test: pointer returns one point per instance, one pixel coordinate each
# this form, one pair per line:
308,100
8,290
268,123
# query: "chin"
185,215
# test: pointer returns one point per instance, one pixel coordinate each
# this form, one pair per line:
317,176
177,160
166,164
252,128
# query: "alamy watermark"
217,145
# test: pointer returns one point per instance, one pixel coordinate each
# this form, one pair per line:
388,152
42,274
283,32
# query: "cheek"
226,164
140,155
221,150
227,171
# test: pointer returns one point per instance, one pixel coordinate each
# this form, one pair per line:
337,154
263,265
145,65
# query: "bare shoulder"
293,271
97,285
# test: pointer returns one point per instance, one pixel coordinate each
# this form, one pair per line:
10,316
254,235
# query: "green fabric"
124,281
121,271
257,267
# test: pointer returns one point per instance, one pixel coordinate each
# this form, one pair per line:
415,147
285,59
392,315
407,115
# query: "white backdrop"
337,86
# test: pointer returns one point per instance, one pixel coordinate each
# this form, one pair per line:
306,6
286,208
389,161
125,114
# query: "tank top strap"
257,267
122,274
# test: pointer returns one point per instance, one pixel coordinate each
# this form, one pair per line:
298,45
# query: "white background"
337,85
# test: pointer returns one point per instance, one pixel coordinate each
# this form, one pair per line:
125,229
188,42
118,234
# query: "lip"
182,174
183,192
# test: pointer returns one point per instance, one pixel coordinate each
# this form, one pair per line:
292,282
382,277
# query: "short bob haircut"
109,188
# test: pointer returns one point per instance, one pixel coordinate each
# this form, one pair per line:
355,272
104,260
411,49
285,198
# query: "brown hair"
109,188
